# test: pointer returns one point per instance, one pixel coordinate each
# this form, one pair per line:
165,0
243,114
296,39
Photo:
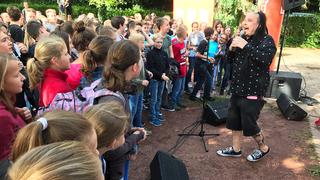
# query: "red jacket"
179,50
74,75
9,126
53,82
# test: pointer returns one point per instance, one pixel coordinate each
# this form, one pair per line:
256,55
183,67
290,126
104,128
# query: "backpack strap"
106,92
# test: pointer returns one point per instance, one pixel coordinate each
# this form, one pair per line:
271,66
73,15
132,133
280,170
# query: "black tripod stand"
202,133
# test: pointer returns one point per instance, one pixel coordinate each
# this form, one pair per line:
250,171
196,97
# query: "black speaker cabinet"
288,83
165,166
290,4
216,112
290,109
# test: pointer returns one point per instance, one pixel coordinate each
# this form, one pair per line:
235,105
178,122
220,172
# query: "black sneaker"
256,155
228,152
168,108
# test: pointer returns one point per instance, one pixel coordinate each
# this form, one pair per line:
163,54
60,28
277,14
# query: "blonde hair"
62,160
136,37
4,98
46,49
62,126
181,30
109,120
157,36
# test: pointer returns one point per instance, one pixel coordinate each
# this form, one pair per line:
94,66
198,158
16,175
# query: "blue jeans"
192,61
216,70
177,90
136,105
156,89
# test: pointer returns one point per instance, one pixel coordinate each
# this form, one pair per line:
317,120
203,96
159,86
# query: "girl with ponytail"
81,39
94,59
123,64
54,127
47,69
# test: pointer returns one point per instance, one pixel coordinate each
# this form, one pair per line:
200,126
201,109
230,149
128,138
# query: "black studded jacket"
250,67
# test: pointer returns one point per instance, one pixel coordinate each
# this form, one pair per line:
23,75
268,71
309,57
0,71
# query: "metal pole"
283,38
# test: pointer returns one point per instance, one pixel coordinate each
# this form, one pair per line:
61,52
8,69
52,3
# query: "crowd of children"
135,63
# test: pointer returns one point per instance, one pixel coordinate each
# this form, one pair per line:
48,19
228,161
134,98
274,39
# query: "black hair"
208,31
262,29
117,21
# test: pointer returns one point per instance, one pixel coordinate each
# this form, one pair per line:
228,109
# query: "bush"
77,9
303,30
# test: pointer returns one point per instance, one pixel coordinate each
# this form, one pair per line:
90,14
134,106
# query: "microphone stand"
202,133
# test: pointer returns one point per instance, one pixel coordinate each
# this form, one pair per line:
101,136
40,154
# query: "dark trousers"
226,75
220,67
189,73
204,73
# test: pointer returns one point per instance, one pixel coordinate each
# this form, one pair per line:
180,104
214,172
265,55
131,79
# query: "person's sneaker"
156,122
256,155
168,108
161,117
181,105
228,152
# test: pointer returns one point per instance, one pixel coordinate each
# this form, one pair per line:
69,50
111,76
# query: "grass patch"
314,170
306,135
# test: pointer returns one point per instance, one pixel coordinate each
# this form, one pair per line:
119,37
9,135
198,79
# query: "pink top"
74,75
9,127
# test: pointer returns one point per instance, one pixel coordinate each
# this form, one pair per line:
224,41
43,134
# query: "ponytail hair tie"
44,123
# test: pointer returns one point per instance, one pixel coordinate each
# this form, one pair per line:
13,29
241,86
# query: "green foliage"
314,170
77,9
104,13
303,31
231,11
107,13
106,3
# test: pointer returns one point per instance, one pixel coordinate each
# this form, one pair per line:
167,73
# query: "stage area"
292,154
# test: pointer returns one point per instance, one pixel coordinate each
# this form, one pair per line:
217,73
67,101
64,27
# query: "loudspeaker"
165,166
290,109
290,4
288,83
216,112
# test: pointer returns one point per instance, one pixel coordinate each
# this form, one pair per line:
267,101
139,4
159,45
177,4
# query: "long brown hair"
121,55
4,98
62,126
96,54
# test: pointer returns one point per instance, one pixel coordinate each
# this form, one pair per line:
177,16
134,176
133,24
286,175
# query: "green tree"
106,3
230,12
